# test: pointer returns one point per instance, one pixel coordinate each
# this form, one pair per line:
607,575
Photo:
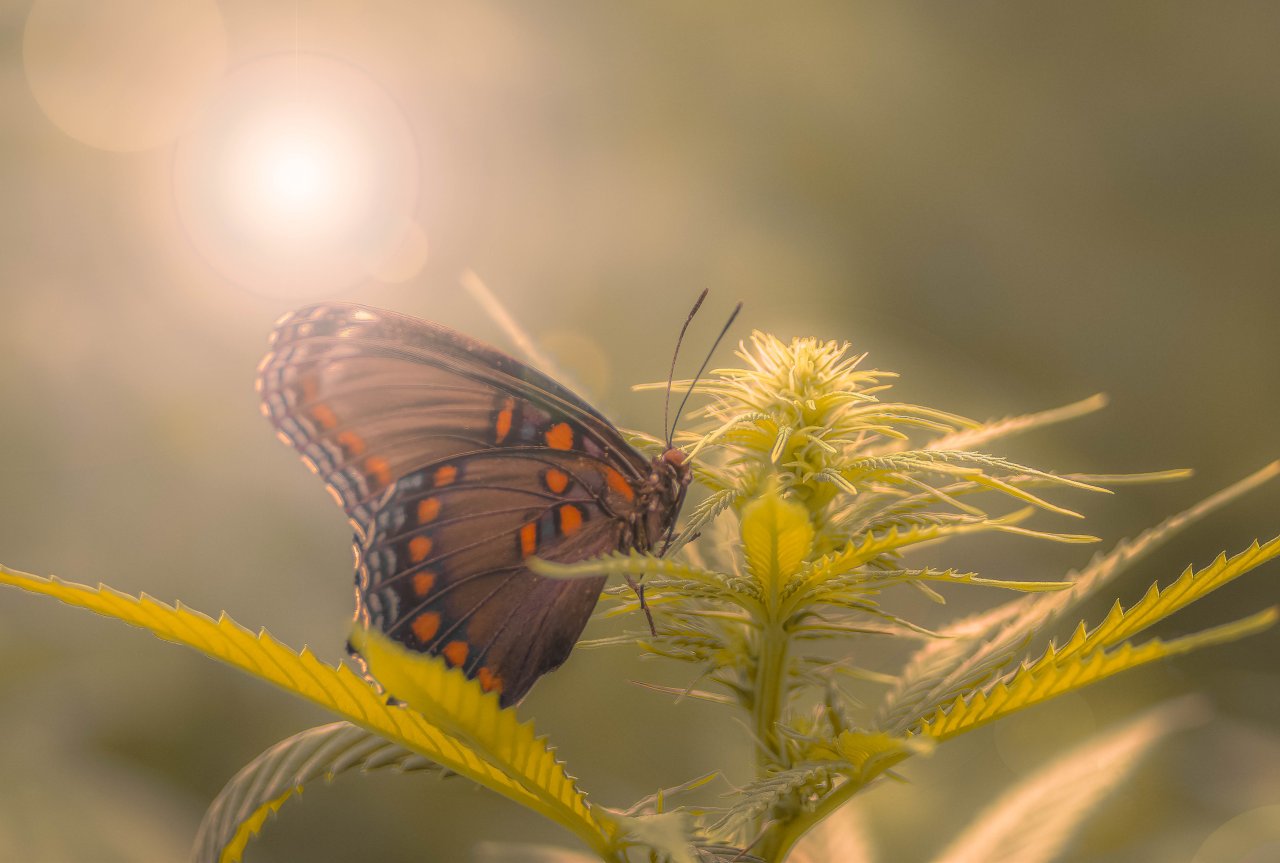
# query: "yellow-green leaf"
263,785
457,704
871,753
875,544
1050,676
1157,604
233,851
982,645
776,538
338,689
633,563
970,438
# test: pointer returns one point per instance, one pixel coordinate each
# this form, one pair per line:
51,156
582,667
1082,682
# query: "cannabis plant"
818,492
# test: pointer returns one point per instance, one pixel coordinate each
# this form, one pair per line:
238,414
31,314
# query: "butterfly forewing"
454,463
368,396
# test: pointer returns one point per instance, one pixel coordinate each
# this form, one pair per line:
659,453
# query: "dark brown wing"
442,568
367,396
454,463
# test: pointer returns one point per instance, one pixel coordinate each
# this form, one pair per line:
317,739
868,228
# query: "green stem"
771,668
770,692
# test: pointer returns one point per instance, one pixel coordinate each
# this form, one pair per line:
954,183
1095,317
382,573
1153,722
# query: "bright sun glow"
295,178
299,177
302,176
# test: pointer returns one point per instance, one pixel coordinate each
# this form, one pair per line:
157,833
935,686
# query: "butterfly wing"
443,566
454,463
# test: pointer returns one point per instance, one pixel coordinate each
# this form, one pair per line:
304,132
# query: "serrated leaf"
977,647
871,753
896,467
338,689
633,563
458,704
706,511
1157,604
875,513
777,536
284,770
1034,820
1051,676
873,545
873,581
966,439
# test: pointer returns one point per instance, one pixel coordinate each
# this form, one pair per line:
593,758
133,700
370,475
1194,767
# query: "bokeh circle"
126,75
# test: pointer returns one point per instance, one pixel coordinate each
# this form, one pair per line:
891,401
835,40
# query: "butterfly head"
664,492
673,466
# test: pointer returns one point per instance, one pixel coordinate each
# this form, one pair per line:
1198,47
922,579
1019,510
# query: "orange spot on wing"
502,426
445,474
529,538
560,436
351,443
556,480
619,483
428,509
419,548
423,582
455,652
324,416
378,469
488,680
426,625
570,519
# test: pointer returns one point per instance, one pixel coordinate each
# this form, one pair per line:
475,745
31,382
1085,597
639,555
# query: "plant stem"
770,693
769,686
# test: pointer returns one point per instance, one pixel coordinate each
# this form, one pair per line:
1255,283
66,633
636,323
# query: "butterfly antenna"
666,408
703,367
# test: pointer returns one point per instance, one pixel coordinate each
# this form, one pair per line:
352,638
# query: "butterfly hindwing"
442,568
454,463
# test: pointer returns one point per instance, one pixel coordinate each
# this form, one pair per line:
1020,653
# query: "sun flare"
301,176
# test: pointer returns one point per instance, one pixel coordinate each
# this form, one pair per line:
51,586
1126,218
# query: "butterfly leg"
644,606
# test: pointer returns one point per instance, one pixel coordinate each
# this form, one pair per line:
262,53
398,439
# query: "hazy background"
1013,205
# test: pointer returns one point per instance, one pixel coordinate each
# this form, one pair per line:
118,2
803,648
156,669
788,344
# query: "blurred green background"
1013,205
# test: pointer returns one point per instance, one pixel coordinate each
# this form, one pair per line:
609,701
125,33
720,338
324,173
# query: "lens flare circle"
405,262
299,179
1253,837
126,75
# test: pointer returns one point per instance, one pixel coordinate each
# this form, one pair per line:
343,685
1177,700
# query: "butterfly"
456,463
